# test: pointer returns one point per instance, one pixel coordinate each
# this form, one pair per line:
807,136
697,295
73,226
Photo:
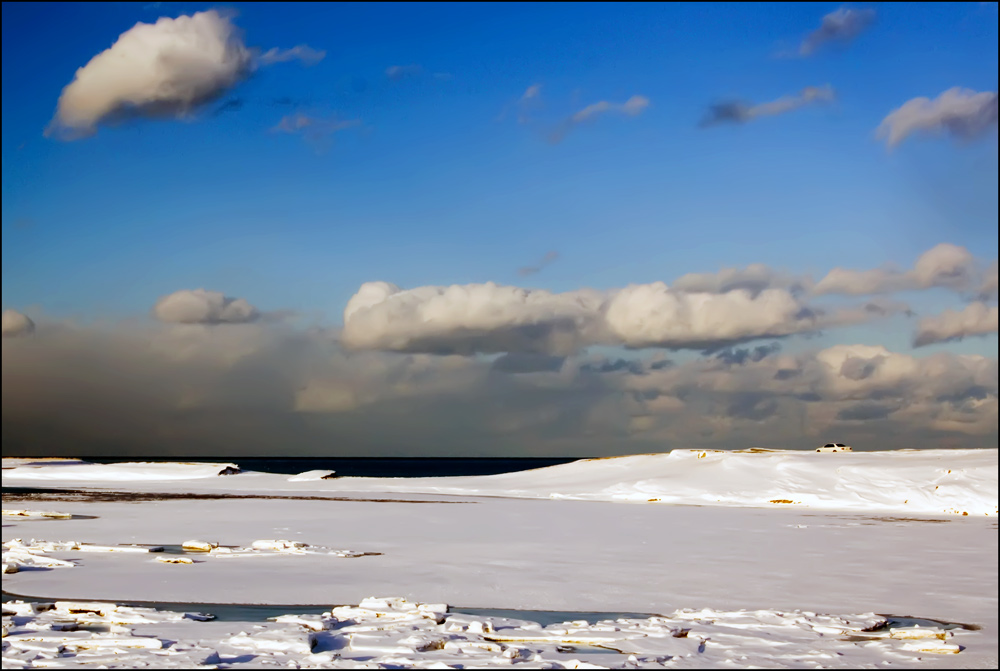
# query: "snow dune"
935,482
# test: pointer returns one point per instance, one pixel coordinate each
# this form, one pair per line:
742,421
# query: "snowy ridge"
121,472
936,482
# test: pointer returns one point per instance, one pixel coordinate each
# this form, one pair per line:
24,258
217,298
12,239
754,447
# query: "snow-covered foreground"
765,585
951,482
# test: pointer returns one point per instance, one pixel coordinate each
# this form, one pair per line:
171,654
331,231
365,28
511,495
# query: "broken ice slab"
300,643
391,608
198,546
175,560
37,513
101,643
932,645
87,547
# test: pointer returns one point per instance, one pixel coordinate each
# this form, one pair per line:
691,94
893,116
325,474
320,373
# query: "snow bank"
950,482
934,482
955,482
76,471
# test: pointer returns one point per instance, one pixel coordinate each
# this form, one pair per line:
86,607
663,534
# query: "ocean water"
374,467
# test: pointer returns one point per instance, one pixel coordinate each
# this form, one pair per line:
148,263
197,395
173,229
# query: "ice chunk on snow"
300,642
309,476
37,513
281,546
198,546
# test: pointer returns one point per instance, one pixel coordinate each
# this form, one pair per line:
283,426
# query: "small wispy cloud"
528,100
842,25
315,130
303,52
960,113
631,107
400,72
531,92
742,112
231,105
634,106
549,258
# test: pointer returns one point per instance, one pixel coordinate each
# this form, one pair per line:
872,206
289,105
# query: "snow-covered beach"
768,558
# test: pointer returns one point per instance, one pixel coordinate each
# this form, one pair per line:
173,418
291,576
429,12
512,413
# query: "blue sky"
435,190
449,175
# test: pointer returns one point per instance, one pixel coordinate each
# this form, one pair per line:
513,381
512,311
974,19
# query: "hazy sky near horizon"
481,229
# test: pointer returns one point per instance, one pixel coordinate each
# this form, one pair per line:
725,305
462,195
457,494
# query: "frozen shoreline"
532,551
943,482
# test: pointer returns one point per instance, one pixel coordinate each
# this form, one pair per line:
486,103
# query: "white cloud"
741,112
944,265
470,318
303,53
655,315
198,306
975,319
165,69
960,113
488,318
842,25
16,324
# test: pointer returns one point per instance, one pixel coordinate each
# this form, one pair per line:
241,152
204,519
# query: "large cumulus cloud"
471,318
164,69
487,318
846,392
167,69
266,389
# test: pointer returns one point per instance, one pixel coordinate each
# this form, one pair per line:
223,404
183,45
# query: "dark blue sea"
377,467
